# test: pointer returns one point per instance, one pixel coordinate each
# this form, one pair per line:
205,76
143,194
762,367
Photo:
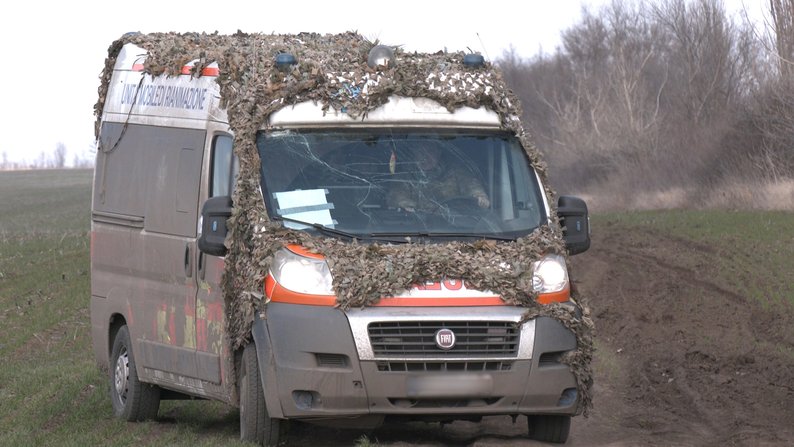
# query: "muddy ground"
680,360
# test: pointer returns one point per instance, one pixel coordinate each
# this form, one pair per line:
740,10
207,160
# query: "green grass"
51,390
749,252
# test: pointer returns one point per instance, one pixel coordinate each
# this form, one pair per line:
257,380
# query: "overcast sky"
53,52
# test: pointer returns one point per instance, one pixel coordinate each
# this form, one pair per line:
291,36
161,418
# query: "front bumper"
319,362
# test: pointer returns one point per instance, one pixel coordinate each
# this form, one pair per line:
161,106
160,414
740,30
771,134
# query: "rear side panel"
146,270
145,264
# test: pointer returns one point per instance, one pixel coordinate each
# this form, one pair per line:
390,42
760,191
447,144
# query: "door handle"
188,262
201,265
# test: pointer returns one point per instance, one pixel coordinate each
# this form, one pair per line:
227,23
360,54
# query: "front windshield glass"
418,183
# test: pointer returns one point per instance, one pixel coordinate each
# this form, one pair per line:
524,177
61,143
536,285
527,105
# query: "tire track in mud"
699,362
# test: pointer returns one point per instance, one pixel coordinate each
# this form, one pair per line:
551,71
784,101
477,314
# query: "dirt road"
680,360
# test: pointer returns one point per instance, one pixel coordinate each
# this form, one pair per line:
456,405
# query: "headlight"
301,274
550,274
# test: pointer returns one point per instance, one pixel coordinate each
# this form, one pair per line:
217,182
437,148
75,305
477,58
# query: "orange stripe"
300,251
556,297
441,302
270,284
206,71
279,294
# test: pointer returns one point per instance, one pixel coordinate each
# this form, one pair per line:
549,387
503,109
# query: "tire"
547,428
132,399
255,423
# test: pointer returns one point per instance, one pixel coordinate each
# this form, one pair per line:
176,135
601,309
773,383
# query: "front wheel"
132,399
256,425
546,428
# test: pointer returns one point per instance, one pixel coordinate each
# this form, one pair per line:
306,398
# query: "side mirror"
572,212
214,214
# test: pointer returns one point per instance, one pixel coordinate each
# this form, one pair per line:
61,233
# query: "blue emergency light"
284,61
473,60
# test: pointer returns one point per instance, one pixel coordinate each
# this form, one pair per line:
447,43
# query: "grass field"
748,252
52,393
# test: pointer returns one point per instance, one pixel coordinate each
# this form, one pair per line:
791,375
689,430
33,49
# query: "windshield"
384,183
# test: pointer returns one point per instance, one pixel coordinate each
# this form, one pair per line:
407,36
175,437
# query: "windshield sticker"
308,205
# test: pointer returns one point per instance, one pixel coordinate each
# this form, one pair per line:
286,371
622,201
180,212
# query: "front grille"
474,339
396,366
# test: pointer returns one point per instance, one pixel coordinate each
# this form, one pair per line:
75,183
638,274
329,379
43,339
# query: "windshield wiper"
319,227
333,231
432,234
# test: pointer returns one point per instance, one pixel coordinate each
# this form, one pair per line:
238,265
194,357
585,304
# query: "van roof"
330,70
398,112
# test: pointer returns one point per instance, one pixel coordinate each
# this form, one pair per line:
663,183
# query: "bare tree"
709,55
643,94
782,13
42,162
770,115
59,157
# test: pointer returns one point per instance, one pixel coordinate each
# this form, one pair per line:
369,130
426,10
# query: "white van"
409,176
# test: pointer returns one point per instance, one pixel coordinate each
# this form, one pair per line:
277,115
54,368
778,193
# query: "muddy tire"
546,428
256,425
132,399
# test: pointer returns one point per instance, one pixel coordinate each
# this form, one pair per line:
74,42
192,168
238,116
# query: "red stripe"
441,302
207,71
137,67
279,294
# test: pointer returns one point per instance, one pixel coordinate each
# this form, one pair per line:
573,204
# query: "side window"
225,166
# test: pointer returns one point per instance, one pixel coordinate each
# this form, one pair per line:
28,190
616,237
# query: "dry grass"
758,195
735,195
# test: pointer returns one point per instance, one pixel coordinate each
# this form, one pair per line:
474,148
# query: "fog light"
567,398
304,400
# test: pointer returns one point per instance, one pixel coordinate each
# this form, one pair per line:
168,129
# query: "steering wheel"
465,211
461,202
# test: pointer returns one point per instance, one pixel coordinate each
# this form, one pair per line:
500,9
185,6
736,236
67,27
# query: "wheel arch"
115,323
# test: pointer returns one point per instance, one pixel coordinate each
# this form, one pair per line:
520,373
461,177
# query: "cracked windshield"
382,183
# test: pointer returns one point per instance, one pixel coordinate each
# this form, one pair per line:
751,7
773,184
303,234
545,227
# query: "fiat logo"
445,339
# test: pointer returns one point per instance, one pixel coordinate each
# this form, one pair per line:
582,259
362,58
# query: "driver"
435,181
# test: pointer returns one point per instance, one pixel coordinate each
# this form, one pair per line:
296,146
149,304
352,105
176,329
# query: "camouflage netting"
327,67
